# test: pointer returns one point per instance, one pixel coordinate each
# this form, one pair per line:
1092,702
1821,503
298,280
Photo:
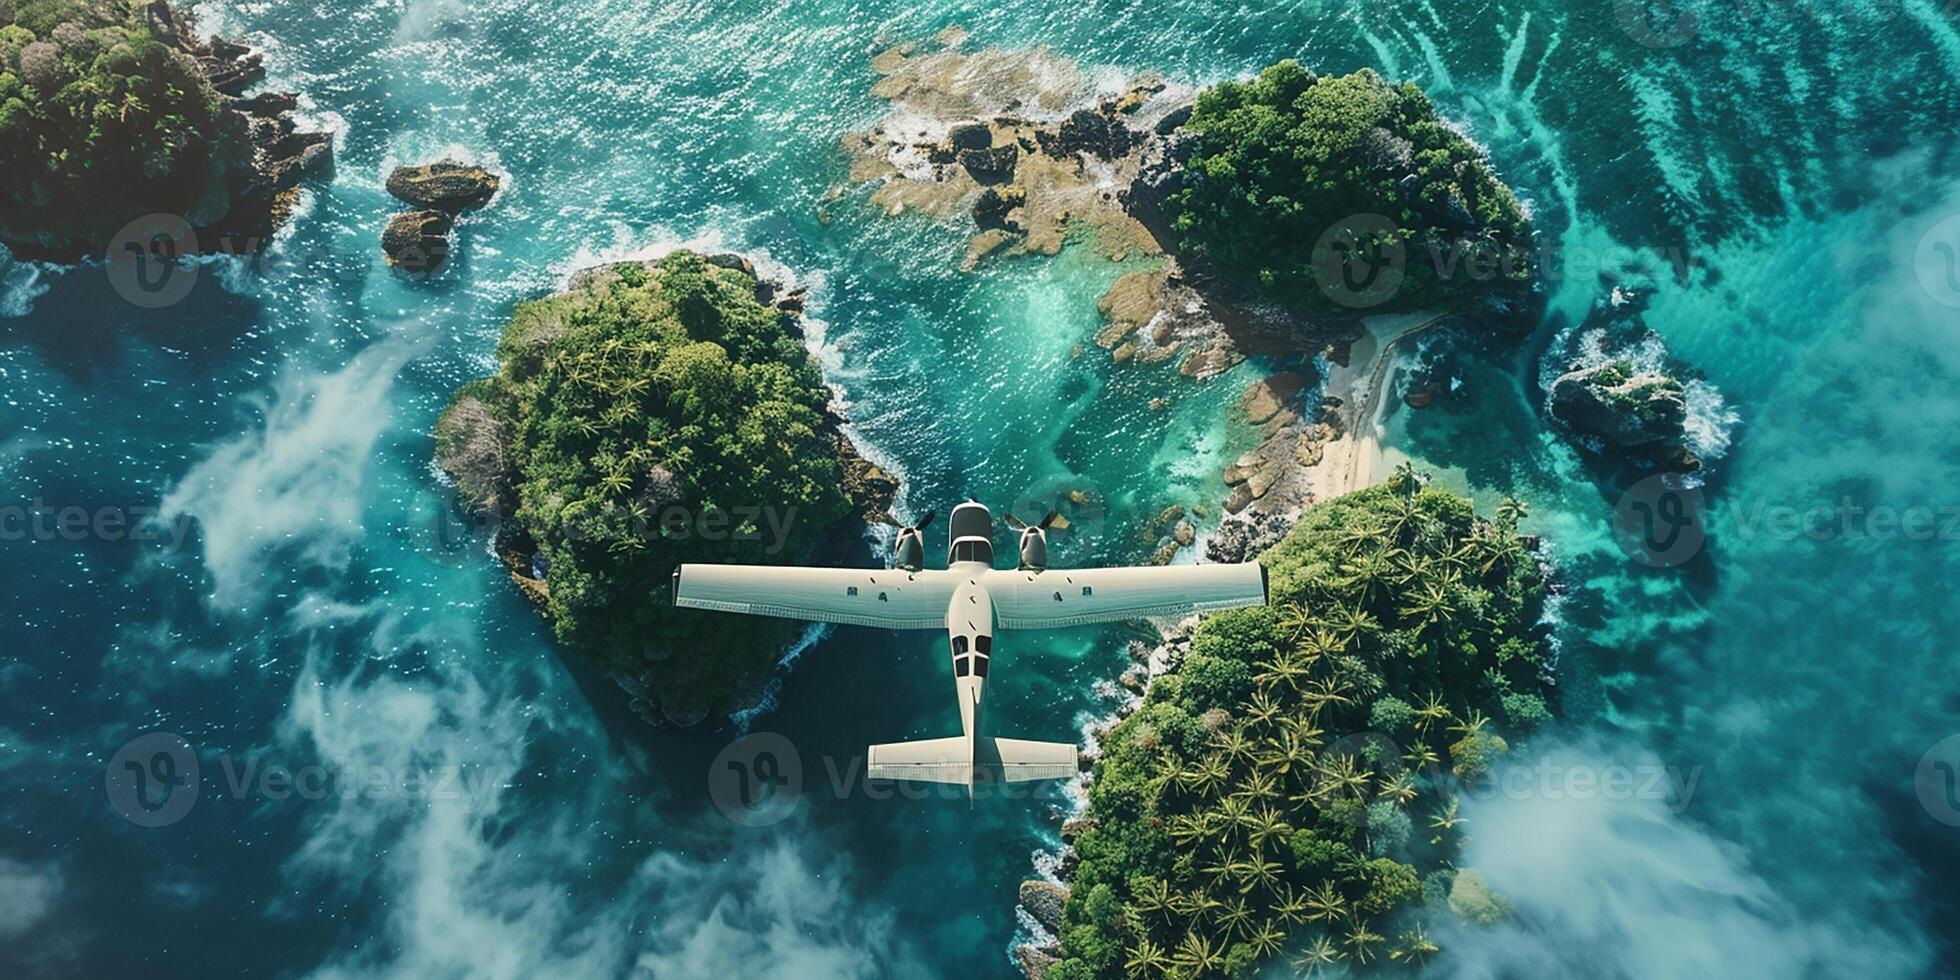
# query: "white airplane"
969,599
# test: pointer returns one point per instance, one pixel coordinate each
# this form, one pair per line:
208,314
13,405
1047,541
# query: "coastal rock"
990,209
1642,412
443,186
417,241
993,165
1099,132
1625,395
1044,901
1035,960
1184,533
1243,538
1265,398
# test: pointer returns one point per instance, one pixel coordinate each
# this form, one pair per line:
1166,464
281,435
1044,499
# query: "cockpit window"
974,550
984,644
959,645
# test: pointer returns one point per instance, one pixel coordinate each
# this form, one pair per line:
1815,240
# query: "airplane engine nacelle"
909,552
1034,550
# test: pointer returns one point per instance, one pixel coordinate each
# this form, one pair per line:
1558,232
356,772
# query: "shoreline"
1354,460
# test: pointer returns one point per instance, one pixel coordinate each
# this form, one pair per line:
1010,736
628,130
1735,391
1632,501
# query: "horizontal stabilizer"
1020,760
931,760
946,760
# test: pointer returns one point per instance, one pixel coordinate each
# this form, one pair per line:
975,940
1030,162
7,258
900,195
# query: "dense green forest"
1282,160
100,121
1291,787
637,422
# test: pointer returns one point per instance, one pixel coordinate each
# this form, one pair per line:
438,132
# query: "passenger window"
851,590
1088,591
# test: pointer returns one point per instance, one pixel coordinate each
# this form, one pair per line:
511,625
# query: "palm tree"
1193,828
1432,709
1294,619
1510,511
1361,942
1414,947
1318,955
1421,755
1236,917
1290,906
1146,960
1406,480
1260,709
1444,820
1266,939
1257,873
1342,774
1285,668
1352,624
1194,904
1197,956
1471,725
1267,824
1401,789
1260,784
1154,897
1325,903
1232,744
1288,752
1329,690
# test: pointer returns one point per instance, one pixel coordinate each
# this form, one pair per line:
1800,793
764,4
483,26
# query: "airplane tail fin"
955,760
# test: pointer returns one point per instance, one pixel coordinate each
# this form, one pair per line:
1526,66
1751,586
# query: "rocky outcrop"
1044,901
1613,384
417,241
1035,960
443,186
233,180
1640,412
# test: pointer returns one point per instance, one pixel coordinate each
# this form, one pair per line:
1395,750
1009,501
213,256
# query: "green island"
638,421
114,109
1282,159
1290,788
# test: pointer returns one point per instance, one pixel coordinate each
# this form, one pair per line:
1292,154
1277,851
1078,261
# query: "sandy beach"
1354,460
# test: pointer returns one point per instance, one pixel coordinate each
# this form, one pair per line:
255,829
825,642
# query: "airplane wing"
1073,596
888,599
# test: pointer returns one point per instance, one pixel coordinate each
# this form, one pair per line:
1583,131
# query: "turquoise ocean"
1780,172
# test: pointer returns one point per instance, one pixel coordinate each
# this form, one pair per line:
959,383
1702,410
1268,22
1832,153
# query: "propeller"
919,525
909,552
1021,525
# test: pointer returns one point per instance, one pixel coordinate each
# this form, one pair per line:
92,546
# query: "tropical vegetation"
100,121
641,420
1285,159
1291,788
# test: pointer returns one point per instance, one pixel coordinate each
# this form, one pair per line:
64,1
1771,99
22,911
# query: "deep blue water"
320,611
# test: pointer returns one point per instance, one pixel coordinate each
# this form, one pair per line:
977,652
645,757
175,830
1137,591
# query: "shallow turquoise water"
320,612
